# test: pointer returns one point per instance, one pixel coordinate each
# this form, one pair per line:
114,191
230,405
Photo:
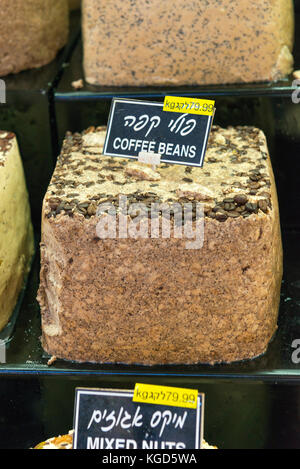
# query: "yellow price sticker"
204,107
165,395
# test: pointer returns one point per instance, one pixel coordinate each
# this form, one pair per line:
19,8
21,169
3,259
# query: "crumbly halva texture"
152,300
186,42
16,232
66,442
32,32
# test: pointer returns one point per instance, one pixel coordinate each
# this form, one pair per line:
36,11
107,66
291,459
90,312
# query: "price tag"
202,107
179,137
111,419
164,395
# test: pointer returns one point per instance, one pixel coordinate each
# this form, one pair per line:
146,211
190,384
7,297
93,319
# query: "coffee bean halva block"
16,232
74,4
186,42
32,32
151,300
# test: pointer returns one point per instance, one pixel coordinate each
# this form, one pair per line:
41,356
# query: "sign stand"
149,158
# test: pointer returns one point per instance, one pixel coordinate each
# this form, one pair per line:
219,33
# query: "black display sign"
109,420
141,126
